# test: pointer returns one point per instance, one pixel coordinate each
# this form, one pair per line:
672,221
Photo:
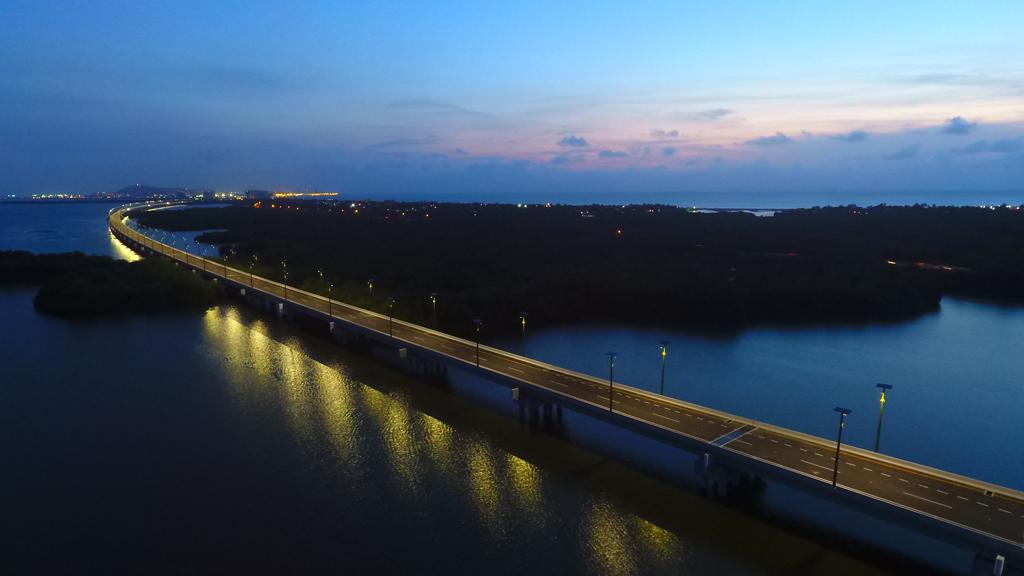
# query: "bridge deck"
980,508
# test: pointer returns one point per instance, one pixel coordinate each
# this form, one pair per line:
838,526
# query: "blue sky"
486,98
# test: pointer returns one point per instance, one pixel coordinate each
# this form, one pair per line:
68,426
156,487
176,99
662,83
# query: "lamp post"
369,283
330,310
522,324
478,322
199,253
433,310
664,356
252,264
881,409
843,413
611,378
391,311
284,268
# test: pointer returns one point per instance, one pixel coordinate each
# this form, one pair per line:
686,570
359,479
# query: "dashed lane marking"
514,369
903,480
962,498
981,504
818,465
927,500
922,486
557,383
1004,511
942,492
886,475
663,416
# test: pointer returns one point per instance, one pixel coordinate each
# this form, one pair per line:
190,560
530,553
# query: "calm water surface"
229,441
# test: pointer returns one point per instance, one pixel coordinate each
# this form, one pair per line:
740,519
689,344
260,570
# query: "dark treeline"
634,264
73,284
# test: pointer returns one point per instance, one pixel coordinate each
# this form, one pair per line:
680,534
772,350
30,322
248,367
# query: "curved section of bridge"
991,516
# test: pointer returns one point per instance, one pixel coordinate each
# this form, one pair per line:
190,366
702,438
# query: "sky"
835,100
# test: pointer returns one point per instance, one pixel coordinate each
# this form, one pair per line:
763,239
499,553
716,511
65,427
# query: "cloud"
958,126
612,154
854,136
905,153
1000,146
664,133
668,151
567,159
432,106
774,140
405,142
573,141
713,114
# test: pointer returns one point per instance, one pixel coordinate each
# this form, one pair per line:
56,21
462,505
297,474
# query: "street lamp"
252,264
284,267
611,378
522,323
478,322
664,356
330,310
433,310
391,311
843,413
369,283
881,409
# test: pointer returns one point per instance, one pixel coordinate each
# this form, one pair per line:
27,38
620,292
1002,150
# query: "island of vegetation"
639,264
75,285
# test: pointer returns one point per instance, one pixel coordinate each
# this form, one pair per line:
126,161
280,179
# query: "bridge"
987,516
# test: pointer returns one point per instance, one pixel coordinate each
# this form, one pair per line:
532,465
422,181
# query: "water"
57,228
231,442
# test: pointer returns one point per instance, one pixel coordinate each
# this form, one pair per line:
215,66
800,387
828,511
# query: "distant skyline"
838,100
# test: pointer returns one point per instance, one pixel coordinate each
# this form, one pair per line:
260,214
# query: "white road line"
688,415
850,464
817,454
866,468
927,500
802,449
922,486
742,442
981,504
942,492
663,416
556,383
773,440
886,475
818,465
903,480
787,444
962,498
517,370
1004,511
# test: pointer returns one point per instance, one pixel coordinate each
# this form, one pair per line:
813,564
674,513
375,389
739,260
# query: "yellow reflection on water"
320,400
525,482
122,252
392,417
339,412
608,541
483,482
616,539
439,443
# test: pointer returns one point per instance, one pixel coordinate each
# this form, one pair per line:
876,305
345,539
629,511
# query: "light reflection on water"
120,251
324,402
